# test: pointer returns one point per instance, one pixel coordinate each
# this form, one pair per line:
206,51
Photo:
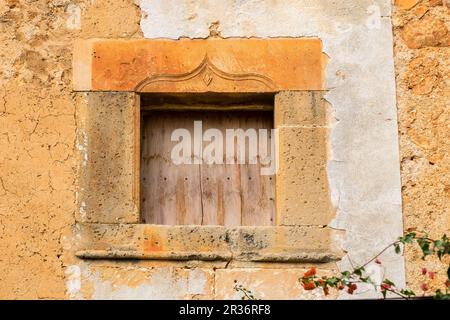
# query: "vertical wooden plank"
183,180
267,182
220,185
211,184
148,168
249,179
189,203
257,190
153,190
232,193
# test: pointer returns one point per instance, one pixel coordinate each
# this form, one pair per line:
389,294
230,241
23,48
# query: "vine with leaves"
350,279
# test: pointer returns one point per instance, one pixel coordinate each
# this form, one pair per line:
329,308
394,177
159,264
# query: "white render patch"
364,171
175,19
163,283
197,281
73,283
73,21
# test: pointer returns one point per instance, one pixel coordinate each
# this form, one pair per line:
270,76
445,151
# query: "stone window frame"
108,117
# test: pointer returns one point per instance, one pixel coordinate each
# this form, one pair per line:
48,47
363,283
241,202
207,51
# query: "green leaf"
408,238
437,243
424,245
439,295
397,248
358,271
407,293
364,279
332,282
346,273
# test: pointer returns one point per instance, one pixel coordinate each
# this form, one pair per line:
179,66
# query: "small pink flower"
424,287
311,272
431,275
309,285
351,288
424,271
385,286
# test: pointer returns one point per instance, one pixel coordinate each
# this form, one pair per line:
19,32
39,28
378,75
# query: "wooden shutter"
202,194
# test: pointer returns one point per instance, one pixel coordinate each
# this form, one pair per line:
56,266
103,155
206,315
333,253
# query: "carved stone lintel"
199,65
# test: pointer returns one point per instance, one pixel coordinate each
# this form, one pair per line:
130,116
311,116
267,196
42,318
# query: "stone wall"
422,59
39,149
37,134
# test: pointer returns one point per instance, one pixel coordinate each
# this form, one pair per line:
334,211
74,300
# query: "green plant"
349,280
246,293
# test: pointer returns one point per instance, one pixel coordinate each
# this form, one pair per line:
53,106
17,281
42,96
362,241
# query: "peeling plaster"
73,282
83,210
111,282
162,285
82,146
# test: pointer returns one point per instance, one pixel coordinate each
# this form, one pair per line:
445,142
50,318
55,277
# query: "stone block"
110,282
108,165
302,190
284,244
307,108
158,242
273,284
406,4
426,32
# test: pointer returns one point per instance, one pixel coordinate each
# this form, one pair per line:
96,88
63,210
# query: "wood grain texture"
202,194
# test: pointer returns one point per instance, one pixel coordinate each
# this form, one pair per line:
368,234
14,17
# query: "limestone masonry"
359,95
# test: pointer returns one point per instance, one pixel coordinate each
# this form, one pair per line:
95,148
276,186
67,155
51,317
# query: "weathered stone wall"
37,134
422,59
39,121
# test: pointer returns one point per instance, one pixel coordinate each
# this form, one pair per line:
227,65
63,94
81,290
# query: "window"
136,202
217,184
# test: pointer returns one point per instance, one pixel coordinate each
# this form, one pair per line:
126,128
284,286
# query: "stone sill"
296,244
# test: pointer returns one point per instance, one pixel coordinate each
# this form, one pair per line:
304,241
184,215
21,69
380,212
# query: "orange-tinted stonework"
213,65
47,132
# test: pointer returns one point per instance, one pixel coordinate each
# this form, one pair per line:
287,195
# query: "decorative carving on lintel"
206,77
